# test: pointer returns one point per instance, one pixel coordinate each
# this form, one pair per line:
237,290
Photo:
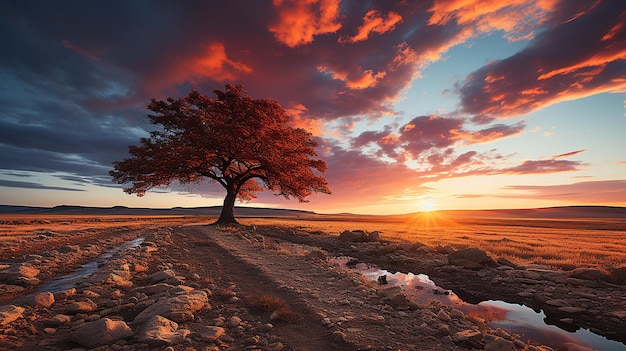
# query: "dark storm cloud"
30,185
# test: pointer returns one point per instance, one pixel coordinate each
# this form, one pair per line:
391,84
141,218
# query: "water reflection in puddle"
69,281
514,318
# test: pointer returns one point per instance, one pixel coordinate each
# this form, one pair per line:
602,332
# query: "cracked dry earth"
198,287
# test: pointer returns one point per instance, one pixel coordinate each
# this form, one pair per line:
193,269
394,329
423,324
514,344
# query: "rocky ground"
198,287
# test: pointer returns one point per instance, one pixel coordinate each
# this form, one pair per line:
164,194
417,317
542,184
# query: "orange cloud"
299,21
367,80
357,81
516,17
213,64
299,120
374,22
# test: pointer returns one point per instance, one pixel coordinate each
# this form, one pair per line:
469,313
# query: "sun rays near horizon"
429,217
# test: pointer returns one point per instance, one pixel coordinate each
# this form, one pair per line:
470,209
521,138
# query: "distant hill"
565,212
134,211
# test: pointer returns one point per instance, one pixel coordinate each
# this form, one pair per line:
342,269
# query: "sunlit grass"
561,244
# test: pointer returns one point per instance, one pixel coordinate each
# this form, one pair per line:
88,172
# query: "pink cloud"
544,166
569,60
568,154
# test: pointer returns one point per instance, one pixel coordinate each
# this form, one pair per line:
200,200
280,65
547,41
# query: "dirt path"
267,289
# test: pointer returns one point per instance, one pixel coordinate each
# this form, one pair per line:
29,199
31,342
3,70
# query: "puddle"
514,318
69,281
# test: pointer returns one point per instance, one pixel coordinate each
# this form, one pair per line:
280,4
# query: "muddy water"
69,281
516,319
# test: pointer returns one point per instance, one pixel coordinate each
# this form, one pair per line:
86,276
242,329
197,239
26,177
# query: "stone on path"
162,331
101,332
209,332
178,308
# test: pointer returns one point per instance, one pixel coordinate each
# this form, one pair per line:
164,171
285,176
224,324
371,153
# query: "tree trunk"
228,210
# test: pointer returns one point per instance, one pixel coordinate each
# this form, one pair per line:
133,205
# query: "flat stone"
209,332
178,308
471,258
619,314
10,313
162,331
557,303
58,319
588,274
496,343
569,309
82,306
104,331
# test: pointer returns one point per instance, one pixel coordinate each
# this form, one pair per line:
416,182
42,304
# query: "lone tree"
243,144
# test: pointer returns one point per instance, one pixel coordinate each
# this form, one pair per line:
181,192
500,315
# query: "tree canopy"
243,144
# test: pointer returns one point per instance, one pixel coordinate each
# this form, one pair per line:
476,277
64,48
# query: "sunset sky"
454,104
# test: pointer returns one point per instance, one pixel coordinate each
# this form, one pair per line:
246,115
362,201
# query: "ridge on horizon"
557,211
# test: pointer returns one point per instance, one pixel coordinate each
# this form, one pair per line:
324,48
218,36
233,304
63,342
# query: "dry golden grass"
563,244
274,304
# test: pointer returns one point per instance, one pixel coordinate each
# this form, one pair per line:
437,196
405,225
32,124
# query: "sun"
427,206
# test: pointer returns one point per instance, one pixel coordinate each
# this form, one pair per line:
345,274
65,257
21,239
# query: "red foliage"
244,144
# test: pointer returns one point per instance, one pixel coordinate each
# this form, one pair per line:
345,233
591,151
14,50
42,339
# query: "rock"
588,274
45,299
471,258
373,236
233,321
504,262
178,308
352,236
58,319
160,276
10,313
82,306
21,274
557,302
396,295
118,281
571,310
21,270
209,332
316,255
155,289
64,294
443,316
68,249
138,268
101,332
496,343
469,338
162,331
8,289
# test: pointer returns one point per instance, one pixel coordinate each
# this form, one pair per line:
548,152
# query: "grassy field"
563,243
559,243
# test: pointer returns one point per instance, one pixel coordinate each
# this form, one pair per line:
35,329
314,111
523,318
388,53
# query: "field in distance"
563,237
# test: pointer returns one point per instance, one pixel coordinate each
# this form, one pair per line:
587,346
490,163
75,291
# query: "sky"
416,105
